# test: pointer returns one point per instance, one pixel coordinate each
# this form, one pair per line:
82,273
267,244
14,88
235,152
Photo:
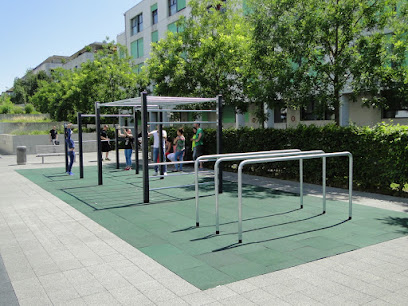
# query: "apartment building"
150,20
69,62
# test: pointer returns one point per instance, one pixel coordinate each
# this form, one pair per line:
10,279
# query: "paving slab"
33,213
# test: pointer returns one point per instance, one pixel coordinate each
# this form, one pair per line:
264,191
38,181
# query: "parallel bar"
172,163
106,115
277,159
181,173
301,182
324,183
145,148
81,151
215,157
185,110
98,138
182,122
217,165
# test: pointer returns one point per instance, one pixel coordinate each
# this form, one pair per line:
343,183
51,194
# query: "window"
317,111
398,104
155,36
176,6
175,28
137,24
136,48
280,114
155,16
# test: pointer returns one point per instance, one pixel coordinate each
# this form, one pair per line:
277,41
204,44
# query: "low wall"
18,127
9,143
33,116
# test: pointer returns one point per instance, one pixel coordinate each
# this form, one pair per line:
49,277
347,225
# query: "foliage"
29,108
316,50
25,87
207,57
380,154
107,78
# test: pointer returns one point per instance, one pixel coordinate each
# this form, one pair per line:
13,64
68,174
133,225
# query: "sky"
33,30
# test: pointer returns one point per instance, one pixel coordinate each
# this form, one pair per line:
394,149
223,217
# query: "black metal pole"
98,139
145,149
117,146
81,151
160,145
136,141
219,138
66,147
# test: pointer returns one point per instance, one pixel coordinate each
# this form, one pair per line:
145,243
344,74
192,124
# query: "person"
193,143
156,146
169,149
199,144
180,142
105,142
71,148
127,134
54,135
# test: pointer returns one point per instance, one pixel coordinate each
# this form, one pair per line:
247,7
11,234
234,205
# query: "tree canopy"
319,50
107,78
208,55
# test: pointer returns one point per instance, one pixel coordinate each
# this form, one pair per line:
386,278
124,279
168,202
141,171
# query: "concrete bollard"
21,155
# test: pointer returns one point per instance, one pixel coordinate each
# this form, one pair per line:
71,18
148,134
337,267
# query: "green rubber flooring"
277,234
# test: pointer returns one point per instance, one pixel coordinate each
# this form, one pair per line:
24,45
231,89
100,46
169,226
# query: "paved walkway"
54,255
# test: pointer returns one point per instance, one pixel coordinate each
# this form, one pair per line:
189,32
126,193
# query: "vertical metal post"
145,149
350,185
196,189
66,147
81,150
219,138
324,182
98,139
240,202
160,145
136,140
117,145
301,181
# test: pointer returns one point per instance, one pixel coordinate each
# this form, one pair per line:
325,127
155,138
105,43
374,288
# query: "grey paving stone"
199,298
99,299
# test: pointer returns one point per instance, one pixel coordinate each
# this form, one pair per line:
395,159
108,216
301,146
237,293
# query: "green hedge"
380,154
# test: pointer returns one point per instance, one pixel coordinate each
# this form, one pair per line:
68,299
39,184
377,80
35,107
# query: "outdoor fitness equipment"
144,102
299,157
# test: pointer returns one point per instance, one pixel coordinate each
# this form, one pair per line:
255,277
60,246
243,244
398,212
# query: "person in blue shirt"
71,148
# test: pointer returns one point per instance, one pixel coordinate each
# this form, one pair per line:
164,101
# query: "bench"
49,150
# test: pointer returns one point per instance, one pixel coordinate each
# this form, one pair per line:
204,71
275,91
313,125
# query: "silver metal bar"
172,163
287,158
301,182
324,182
237,158
179,174
179,186
187,110
180,122
215,157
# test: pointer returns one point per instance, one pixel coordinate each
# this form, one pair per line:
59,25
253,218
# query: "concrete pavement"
54,255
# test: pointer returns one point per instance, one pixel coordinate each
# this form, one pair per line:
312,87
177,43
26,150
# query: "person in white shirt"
156,146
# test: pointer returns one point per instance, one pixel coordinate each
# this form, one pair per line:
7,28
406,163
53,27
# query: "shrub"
29,108
380,154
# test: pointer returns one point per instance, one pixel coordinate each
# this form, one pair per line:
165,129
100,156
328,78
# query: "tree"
107,78
24,88
318,50
208,56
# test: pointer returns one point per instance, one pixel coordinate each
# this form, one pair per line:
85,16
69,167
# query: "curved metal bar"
276,159
215,157
224,159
